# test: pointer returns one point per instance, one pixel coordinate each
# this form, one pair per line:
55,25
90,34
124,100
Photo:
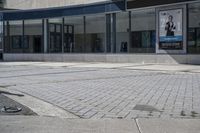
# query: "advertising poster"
171,29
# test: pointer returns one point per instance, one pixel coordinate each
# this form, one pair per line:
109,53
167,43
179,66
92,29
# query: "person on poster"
170,26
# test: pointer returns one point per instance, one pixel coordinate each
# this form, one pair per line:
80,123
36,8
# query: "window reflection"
95,34
74,35
33,36
194,28
143,32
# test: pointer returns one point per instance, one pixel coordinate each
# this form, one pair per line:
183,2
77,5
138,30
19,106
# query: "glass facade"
23,36
143,31
132,31
95,34
194,28
14,37
1,35
74,34
1,39
122,32
33,36
55,35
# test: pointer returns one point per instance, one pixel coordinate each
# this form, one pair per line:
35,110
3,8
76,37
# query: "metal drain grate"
11,109
146,108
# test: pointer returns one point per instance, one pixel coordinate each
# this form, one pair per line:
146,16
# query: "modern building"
138,31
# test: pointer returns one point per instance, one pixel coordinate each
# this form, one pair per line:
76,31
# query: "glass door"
68,38
55,38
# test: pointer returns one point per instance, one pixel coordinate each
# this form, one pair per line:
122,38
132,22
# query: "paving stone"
99,92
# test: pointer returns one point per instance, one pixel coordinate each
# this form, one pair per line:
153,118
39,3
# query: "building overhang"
105,7
133,4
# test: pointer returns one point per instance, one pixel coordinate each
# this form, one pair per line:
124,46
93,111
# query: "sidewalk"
108,90
24,124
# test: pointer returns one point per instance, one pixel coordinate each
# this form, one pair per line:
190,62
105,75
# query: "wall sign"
171,29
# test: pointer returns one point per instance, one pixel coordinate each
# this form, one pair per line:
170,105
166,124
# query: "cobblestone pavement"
103,92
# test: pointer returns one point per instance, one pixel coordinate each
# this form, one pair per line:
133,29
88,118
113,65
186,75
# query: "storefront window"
14,37
143,31
33,36
122,32
95,34
194,28
55,35
74,34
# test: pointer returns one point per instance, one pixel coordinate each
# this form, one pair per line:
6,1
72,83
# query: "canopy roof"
104,7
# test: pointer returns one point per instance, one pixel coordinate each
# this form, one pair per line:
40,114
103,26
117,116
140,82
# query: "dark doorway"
68,38
37,40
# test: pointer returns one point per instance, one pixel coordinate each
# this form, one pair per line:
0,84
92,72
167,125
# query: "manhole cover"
146,108
11,109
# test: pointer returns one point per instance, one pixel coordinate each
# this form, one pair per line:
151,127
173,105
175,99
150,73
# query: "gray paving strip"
38,124
169,125
18,124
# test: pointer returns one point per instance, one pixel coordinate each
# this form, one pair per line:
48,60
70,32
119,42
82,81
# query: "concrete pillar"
45,35
108,34
113,36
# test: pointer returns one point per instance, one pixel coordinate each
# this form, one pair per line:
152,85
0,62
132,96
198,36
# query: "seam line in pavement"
137,124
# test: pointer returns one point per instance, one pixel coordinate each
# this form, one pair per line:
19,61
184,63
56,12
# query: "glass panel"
58,28
16,42
33,36
55,35
74,42
194,28
51,27
143,31
13,37
1,36
122,35
70,30
65,29
95,34
6,38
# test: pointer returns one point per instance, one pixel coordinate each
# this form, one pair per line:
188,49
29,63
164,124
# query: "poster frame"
182,50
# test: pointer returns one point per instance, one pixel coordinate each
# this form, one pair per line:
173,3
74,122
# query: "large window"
74,34
14,37
23,36
55,35
122,32
194,28
143,31
33,36
95,34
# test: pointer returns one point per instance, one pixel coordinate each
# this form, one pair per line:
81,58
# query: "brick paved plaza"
100,90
